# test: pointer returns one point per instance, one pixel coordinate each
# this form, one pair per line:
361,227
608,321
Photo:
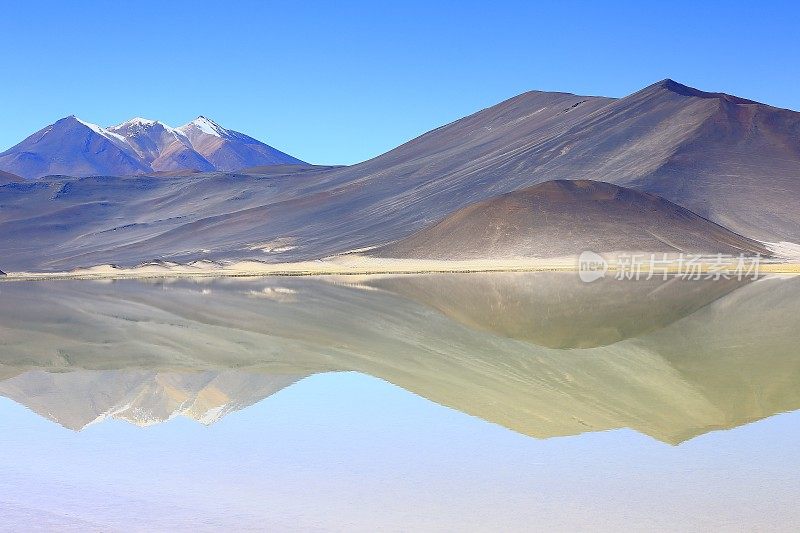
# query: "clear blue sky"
339,82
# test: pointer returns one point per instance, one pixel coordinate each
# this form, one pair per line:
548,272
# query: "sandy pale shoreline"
362,265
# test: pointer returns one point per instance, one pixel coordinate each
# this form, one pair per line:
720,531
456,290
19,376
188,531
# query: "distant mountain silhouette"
228,150
74,147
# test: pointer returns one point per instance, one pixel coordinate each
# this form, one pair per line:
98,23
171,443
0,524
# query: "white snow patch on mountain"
207,126
104,132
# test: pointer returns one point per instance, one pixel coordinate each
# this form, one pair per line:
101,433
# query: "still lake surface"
434,402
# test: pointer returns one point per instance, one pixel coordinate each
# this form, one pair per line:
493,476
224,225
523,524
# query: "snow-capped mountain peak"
134,122
101,131
162,147
138,126
229,150
206,126
73,146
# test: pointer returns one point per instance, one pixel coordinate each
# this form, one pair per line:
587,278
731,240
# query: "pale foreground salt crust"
355,264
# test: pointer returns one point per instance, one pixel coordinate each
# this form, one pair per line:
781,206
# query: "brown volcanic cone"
564,218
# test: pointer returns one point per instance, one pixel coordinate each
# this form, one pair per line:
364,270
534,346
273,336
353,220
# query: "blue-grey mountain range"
74,147
725,160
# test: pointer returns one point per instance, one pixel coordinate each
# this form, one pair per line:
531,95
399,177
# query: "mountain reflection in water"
540,353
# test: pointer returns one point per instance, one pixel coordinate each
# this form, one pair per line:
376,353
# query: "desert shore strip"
359,265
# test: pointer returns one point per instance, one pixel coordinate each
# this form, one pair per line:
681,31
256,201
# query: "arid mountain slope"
7,177
739,168
730,160
228,150
71,146
564,218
